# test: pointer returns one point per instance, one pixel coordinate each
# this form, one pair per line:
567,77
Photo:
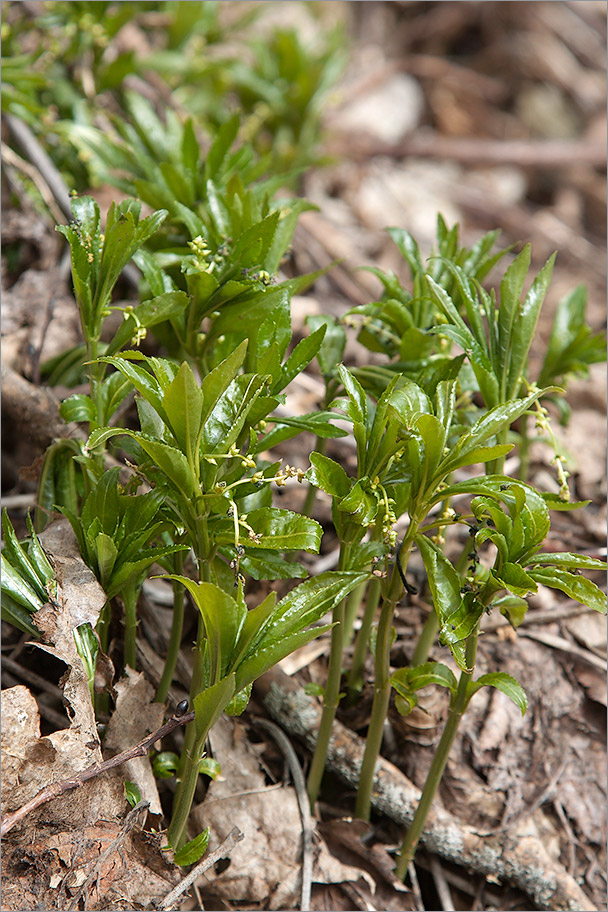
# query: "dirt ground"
492,114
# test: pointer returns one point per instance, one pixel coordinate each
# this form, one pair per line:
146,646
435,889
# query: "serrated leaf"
194,850
283,530
506,684
329,475
183,405
567,559
576,587
408,680
77,408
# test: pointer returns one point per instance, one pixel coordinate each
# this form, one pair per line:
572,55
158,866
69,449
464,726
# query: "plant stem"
382,686
175,638
311,494
129,600
192,749
332,692
456,711
524,449
188,783
355,675
352,610
382,693
426,639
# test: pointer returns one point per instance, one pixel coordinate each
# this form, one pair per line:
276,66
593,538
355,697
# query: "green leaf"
331,352
406,681
87,647
301,356
142,380
283,530
15,586
356,395
517,322
572,346
18,616
210,767
132,793
78,408
462,622
14,552
268,565
223,617
183,405
567,559
512,607
165,306
444,581
328,475
165,765
194,850
576,587
361,503
106,552
217,381
503,682
515,579
211,703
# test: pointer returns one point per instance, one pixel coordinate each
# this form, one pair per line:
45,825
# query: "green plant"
194,499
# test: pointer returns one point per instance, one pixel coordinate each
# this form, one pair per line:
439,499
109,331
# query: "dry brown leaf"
135,716
266,865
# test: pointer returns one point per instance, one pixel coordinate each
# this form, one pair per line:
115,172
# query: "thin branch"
223,851
65,785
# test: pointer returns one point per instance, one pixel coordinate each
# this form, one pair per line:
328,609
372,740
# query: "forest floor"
492,114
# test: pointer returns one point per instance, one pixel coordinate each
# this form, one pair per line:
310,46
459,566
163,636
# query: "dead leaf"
135,716
266,865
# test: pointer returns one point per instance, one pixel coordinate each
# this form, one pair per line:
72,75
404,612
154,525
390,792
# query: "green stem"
456,711
175,638
382,693
426,639
332,691
355,675
192,749
187,776
187,789
129,599
382,686
352,610
524,449
311,494
496,466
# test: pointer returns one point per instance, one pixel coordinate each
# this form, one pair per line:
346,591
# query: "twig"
415,886
538,616
41,161
65,785
11,159
18,501
128,824
300,786
564,646
521,153
223,851
441,885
